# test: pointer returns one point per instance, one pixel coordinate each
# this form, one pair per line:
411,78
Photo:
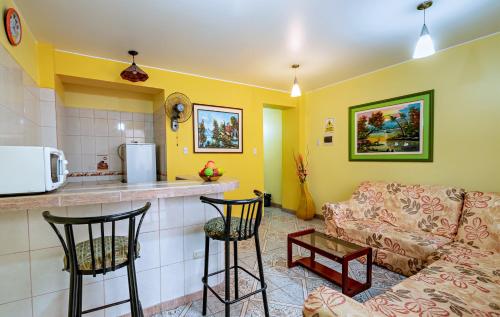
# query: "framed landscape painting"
396,129
217,129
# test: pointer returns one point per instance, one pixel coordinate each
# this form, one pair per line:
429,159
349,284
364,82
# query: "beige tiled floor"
287,288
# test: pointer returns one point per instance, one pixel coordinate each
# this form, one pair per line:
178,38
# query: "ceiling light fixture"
424,47
295,88
133,73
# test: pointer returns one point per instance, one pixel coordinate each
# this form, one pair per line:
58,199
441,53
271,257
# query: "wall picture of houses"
396,129
217,129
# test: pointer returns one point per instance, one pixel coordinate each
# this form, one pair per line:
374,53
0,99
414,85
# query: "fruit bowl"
210,173
209,178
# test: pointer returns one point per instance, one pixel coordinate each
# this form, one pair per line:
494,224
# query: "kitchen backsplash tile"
159,136
101,145
90,139
49,136
86,126
71,112
47,94
24,108
86,113
114,127
113,115
126,116
30,115
48,113
100,114
101,127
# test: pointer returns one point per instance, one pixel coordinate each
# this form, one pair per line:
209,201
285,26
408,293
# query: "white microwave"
31,169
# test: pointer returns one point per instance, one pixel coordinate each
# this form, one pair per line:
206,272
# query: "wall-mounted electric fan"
178,108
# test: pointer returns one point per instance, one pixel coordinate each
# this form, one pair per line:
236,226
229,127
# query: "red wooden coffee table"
334,249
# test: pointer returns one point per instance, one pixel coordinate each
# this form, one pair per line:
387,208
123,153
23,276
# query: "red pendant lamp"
133,73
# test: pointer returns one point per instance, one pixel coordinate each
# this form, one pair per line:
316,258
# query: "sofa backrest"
480,222
430,208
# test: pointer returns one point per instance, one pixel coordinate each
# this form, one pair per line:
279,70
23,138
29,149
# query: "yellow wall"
45,56
273,153
79,96
466,122
246,167
25,53
294,133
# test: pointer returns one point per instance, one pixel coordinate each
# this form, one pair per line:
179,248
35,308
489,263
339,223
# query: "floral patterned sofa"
461,277
404,224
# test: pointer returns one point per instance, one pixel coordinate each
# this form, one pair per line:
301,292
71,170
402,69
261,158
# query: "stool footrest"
105,306
205,282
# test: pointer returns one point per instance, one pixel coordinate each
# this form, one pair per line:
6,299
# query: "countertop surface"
85,193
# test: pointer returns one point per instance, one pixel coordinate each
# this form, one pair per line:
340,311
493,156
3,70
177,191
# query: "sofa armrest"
336,213
326,302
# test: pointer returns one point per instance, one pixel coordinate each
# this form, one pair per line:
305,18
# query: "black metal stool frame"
72,265
250,219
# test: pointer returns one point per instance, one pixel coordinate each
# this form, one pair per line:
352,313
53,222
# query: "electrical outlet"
254,151
198,254
185,150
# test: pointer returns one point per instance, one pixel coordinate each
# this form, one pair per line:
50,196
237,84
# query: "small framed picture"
217,129
102,162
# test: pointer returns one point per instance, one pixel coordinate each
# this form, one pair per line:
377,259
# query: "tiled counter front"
31,276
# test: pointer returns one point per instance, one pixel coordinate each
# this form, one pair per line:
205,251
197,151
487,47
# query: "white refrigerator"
139,162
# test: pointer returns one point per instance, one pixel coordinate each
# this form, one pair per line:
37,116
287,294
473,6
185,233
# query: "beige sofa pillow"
480,222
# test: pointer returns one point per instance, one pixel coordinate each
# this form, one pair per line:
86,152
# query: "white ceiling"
256,41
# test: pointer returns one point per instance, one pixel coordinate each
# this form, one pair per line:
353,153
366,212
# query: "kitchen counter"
172,240
73,194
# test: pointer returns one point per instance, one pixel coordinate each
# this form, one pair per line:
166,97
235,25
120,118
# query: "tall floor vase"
306,209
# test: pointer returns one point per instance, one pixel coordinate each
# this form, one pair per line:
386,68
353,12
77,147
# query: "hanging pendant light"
425,46
295,88
133,73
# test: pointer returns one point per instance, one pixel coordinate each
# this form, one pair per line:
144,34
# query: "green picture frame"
398,129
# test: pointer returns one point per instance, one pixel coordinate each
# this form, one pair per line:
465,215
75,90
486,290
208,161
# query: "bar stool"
227,228
105,254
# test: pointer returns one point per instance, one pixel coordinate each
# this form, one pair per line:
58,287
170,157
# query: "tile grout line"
29,257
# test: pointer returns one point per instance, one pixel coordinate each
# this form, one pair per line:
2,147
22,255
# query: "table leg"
369,268
289,253
345,277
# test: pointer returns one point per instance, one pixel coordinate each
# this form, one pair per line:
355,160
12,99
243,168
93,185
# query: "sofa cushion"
464,254
326,302
442,289
387,237
480,222
399,263
430,208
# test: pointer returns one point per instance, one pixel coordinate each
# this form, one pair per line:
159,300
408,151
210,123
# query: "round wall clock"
13,26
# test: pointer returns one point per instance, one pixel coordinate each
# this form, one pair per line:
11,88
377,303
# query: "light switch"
318,142
185,150
254,151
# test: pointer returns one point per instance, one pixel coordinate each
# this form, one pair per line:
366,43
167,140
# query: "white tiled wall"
160,138
88,134
33,283
27,113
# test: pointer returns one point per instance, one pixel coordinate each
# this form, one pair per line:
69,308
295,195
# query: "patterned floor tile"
172,313
287,288
255,308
